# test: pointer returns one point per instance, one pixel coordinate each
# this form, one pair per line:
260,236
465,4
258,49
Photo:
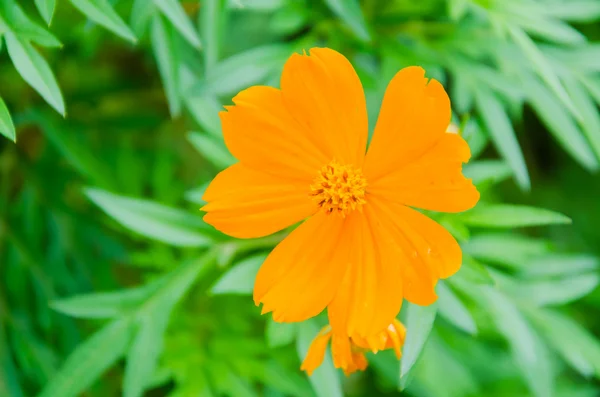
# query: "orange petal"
261,132
426,250
370,295
414,115
245,203
316,351
301,275
396,334
434,181
324,93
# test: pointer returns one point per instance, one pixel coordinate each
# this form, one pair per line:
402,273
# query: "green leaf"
542,67
549,29
419,323
144,352
7,127
553,265
90,360
240,278
500,128
46,9
473,271
141,14
101,12
167,58
211,149
453,310
210,18
103,304
575,344
153,220
512,250
175,13
560,124
13,18
280,334
589,113
573,11
34,70
457,8
509,216
528,350
556,292
487,171
324,380
349,11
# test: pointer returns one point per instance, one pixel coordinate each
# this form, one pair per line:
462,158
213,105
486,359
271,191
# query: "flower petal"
316,351
301,275
414,115
370,295
325,95
261,133
434,181
426,250
245,203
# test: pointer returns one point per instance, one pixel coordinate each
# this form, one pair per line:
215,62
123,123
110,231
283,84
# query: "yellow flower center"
339,188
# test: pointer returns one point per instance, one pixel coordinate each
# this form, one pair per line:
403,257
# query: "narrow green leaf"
324,380
144,352
556,292
453,310
542,67
46,9
211,149
457,8
101,12
573,11
550,30
103,304
280,334
553,265
153,220
509,216
589,113
90,360
487,171
528,350
240,278
349,11
34,70
512,250
141,14
210,28
560,123
167,58
574,343
13,18
473,271
175,13
419,323
500,128
7,127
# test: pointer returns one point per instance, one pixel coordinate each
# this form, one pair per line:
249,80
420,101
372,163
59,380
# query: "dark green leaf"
509,216
101,12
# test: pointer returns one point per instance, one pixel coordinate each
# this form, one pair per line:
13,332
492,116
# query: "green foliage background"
111,284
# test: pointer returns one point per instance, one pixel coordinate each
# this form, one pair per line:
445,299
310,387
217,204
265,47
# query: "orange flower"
349,353
302,156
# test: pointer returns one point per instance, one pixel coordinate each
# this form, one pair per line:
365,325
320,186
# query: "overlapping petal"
246,203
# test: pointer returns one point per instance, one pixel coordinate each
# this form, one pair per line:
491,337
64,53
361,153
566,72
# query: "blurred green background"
111,284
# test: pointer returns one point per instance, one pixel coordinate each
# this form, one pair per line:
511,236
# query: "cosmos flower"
361,247
349,353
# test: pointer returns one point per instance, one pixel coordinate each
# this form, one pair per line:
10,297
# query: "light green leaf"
210,18
153,220
542,67
453,310
589,113
500,128
280,334
141,14
560,124
103,304
175,13
419,323
13,18
473,272
573,342
549,29
457,8
46,9
325,380
573,10
553,265
556,292
487,171
349,11
167,58
34,70
211,149
509,216
101,12
512,250
7,127
240,278
90,360
256,5
144,352
528,350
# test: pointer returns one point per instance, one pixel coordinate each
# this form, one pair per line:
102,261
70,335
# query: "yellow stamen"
339,188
